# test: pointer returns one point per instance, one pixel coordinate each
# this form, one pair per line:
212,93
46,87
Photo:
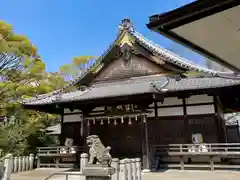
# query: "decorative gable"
131,54
129,65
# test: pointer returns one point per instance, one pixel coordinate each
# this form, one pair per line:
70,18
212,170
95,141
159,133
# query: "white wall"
170,102
72,118
173,111
191,110
203,109
199,99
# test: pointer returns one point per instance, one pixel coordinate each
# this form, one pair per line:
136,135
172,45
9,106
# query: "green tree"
24,134
14,48
22,75
77,67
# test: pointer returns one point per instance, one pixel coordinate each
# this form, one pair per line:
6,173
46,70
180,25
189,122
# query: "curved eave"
130,90
189,13
182,25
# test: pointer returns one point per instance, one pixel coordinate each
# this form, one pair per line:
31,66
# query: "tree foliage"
14,48
24,134
78,66
23,74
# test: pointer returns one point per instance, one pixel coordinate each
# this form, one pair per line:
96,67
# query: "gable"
145,57
135,66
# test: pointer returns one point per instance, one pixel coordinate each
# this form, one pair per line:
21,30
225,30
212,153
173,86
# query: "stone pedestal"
98,172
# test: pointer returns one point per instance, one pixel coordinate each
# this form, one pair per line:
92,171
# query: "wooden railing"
172,149
186,151
55,156
59,150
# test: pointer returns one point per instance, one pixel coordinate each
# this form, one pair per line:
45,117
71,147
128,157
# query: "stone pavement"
192,175
36,174
42,173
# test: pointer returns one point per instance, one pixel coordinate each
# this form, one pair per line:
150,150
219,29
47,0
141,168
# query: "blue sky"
62,29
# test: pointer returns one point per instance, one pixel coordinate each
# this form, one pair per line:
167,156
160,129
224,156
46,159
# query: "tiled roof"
183,84
125,27
140,85
101,90
170,56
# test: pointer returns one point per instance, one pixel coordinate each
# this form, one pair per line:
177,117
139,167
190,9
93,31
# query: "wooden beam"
62,130
186,124
145,145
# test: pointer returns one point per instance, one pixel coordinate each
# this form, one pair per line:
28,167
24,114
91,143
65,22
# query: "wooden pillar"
85,133
145,145
186,124
238,132
156,109
220,123
223,135
62,136
86,129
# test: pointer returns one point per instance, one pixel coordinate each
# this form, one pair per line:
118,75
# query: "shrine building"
138,95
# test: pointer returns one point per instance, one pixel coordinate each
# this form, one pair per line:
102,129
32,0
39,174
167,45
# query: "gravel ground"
192,175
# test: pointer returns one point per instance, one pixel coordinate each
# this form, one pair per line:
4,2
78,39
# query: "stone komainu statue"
98,153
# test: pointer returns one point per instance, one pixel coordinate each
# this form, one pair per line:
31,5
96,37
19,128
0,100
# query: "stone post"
27,163
134,172
123,171
23,163
83,161
15,166
115,165
129,169
98,172
2,170
31,161
138,168
19,163
38,161
8,166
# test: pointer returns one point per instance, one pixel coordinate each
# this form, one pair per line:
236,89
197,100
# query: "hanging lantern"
94,120
101,122
108,120
122,121
115,121
129,121
88,123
